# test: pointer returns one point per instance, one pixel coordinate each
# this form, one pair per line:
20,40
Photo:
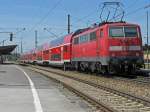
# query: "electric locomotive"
108,47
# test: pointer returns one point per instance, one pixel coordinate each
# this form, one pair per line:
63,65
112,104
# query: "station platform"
23,90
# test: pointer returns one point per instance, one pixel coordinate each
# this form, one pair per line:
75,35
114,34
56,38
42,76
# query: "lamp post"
147,41
147,24
21,46
21,39
3,42
36,41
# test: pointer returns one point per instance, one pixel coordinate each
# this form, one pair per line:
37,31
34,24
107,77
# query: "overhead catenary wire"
46,15
134,11
131,5
77,20
129,13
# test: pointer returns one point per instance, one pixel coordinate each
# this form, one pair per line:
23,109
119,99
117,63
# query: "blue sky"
52,14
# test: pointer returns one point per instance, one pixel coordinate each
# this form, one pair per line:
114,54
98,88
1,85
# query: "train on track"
106,47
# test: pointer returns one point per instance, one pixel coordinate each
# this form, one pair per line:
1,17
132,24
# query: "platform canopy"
5,50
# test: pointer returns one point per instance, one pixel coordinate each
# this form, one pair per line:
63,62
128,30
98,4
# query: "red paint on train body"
104,47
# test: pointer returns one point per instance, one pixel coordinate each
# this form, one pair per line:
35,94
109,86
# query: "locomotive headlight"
137,54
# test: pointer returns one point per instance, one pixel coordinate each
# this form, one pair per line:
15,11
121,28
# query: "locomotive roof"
95,26
79,31
121,23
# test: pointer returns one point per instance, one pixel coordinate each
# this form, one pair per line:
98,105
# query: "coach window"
46,52
39,58
92,36
76,40
56,57
101,33
34,54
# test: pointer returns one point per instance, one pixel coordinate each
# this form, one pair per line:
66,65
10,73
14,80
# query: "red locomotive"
107,47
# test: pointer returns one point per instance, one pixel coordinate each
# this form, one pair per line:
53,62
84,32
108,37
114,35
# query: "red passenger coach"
46,54
28,57
59,52
39,52
24,58
33,56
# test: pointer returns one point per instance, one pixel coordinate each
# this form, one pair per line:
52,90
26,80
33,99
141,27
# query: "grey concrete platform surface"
18,94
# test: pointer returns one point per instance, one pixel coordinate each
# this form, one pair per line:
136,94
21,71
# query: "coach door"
66,53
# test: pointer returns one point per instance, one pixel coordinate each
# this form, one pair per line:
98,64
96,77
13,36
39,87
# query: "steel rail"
88,98
120,93
129,96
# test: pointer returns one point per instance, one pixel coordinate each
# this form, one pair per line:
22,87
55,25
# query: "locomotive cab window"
116,32
123,32
130,31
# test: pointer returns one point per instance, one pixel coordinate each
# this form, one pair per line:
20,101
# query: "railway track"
142,80
107,99
138,80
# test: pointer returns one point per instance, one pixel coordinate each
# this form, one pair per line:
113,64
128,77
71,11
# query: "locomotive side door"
100,43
